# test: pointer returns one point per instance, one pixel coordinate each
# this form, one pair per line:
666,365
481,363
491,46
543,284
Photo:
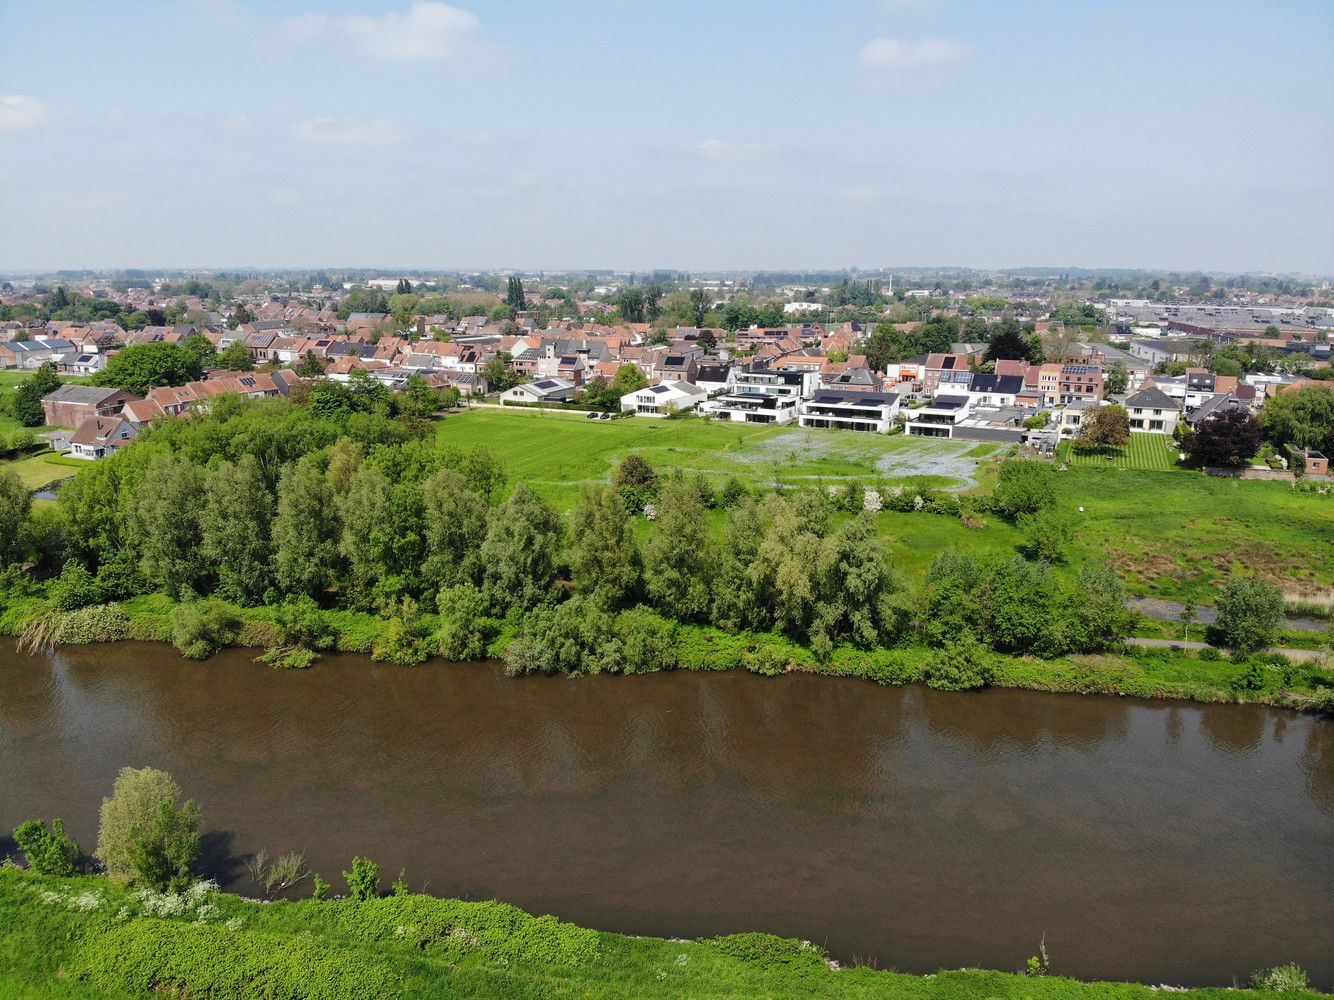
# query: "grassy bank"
87,937
1138,672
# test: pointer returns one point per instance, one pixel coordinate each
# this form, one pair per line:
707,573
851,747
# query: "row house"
947,373
1061,384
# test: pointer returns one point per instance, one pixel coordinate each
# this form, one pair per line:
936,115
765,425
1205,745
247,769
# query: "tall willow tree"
235,530
305,531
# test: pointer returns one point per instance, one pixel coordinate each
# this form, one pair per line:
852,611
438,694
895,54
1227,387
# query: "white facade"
938,417
663,398
855,411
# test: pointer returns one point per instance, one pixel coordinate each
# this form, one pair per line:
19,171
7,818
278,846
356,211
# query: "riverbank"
1172,672
88,937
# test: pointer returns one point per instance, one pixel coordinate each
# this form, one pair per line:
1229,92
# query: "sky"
631,134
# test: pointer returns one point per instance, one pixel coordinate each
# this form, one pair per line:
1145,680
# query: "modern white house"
762,396
995,390
545,390
854,411
938,417
664,398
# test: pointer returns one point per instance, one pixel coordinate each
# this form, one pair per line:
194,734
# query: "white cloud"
899,54
719,151
861,194
21,113
428,32
350,132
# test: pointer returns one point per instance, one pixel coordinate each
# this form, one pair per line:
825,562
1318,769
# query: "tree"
636,481
1229,438
1047,534
1303,418
498,374
26,404
15,509
700,304
143,367
49,851
166,509
681,556
514,297
1008,344
519,554
305,531
129,814
417,399
367,538
1117,378
404,287
164,853
1249,612
604,557
236,358
1024,486
707,341
1105,427
234,530
961,666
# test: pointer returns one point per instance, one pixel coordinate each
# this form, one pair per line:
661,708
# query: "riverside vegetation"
338,520
150,926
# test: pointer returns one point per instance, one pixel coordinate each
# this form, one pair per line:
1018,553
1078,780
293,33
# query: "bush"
772,951
130,813
451,930
1290,978
363,881
466,629
75,587
200,628
149,957
1047,534
300,632
1024,486
407,640
1249,613
960,666
163,854
1210,654
49,851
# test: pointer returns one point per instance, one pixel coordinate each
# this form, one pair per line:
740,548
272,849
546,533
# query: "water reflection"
1159,841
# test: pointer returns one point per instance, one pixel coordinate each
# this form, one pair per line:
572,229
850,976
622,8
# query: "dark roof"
1152,398
983,382
89,395
860,398
948,402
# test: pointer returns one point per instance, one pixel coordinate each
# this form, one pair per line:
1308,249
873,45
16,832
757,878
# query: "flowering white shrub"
650,512
871,501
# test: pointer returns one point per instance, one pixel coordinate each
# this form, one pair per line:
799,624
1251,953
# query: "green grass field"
1173,533
37,471
1145,451
556,452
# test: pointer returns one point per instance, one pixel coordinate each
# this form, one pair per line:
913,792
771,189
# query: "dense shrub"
363,881
75,588
407,638
960,666
466,629
1249,614
1290,978
99,623
772,951
49,851
452,929
129,814
200,628
158,957
1024,486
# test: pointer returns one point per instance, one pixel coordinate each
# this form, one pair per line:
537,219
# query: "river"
1155,841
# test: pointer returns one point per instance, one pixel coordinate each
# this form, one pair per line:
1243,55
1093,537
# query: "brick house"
71,405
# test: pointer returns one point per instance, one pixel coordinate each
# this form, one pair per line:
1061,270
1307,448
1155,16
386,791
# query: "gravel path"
1170,611
1299,655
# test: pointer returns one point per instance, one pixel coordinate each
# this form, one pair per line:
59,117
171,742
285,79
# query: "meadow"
1170,532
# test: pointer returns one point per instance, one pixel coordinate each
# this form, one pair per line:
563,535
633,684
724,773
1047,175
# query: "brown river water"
1154,841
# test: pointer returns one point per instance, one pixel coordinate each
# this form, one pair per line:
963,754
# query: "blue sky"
636,134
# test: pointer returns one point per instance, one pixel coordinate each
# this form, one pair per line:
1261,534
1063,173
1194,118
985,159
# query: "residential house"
71,405
98,437
938,417
995,390
1152,410
663,398
547,390
853,410
947,373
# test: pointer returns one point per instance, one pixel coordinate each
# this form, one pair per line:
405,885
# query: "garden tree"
1249,613
143,367
1047,534
1104,427
305,531
498,374
49,851
165,511
630,303
455,524
1223,365
1116,379
604,558
707,341
681,557
1228,438
636,481
402,307
404,287
202,348
1024,486
519,555
15,508
740,313
1008,344
26,404
311,366
234,530
129,816
514,297
1303,418
367,539
242,315
652,302
417,399
605,394
236,358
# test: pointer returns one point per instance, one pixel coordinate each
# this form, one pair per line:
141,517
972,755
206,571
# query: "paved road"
1299,655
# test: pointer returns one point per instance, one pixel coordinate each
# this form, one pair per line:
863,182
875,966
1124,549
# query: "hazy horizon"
632,135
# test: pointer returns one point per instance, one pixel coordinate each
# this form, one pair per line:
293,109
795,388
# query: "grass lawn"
556,452
1145,451
37,471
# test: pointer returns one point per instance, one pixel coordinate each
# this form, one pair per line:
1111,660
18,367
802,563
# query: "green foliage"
636,481
363,881
156,957
1249,614
1048,534
75,588
772,951
681,556
163,853
234,357
143,367
604,558
1023,487
1103,428
319,889
15,508
1290,978
1230,438
520,552
49,851
26,403
99,623
960,666
1302,417
408,637
200,628
130,816
466,629
305,531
